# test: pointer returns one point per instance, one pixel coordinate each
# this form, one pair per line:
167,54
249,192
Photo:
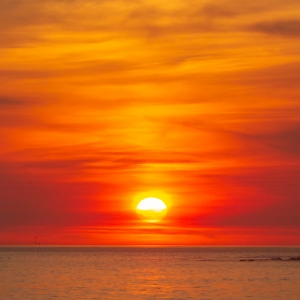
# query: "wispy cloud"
10,102
284,28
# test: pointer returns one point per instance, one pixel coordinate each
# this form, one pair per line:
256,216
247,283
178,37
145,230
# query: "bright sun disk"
151,209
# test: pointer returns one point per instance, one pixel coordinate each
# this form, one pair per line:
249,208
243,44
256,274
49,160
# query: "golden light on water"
151,209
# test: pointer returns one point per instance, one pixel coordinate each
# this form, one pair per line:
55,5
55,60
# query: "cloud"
16,111
256,197
10,102
31,199
278,82
280,141
29,21
283,28
228,9
141,18
286,140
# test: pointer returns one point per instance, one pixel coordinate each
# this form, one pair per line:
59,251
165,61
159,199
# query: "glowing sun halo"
151,209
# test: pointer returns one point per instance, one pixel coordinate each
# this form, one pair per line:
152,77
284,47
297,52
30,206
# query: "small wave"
272,259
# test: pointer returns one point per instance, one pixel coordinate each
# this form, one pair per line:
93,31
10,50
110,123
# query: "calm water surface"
207,273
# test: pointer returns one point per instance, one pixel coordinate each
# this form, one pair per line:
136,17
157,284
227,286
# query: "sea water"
206,273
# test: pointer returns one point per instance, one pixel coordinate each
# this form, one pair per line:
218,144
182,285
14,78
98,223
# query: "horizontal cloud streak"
285,28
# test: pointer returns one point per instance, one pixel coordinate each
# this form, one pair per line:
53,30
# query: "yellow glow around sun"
151,209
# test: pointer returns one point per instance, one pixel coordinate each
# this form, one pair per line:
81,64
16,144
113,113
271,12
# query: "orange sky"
101,101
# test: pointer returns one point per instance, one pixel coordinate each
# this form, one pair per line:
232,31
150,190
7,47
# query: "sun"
151,209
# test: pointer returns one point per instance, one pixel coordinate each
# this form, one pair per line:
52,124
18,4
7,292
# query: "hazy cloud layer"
103,100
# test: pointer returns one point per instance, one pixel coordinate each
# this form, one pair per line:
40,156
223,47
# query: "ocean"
206,273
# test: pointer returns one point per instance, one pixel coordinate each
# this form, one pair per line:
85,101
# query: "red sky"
102,101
